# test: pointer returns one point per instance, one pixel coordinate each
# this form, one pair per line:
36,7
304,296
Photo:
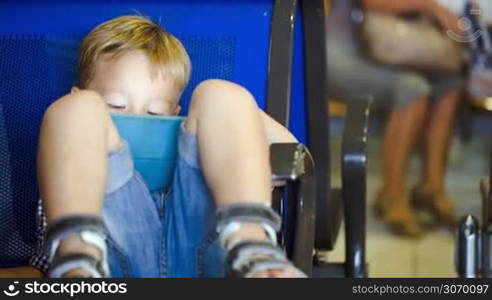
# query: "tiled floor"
433,254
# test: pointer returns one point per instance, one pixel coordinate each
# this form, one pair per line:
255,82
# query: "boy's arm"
276,133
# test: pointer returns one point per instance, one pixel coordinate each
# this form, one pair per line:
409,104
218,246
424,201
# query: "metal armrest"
290,161
293,165
486,202
354,158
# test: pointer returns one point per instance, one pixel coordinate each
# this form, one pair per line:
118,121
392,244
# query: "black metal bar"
316,78
280,61
293,163
354,187
278,195
330,219
486,249
485,253
305,230
329,270
291,220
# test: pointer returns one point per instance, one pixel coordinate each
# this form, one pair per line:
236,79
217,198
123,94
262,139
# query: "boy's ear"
177,110
74,89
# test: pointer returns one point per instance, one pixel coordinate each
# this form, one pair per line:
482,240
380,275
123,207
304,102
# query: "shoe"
397,213
438,204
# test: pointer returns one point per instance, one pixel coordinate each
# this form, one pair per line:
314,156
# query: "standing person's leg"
354,78
431,191
411,95
76,136
402,132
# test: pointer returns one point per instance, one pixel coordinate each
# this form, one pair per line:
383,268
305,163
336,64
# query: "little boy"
102,218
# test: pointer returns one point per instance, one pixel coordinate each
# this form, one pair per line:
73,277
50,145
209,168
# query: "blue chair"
273,48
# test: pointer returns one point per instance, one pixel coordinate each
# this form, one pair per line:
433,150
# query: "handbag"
415,43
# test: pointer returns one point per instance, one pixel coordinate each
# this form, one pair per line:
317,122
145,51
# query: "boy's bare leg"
76,135
233,147
436,147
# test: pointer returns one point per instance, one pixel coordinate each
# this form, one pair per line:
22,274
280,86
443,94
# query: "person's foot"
396,212
74,245
255,233
278,273
437,203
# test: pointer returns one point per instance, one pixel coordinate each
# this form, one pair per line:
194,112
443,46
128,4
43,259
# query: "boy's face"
130,84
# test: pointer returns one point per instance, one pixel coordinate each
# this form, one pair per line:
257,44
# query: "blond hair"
129,33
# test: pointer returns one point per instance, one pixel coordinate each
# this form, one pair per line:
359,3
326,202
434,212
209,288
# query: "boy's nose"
137,110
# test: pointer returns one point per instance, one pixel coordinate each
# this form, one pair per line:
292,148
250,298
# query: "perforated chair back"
38,64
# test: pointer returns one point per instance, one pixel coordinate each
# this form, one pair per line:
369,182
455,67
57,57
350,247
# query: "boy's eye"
116,106
154,113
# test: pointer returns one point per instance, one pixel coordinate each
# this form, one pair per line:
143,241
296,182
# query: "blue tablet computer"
153,141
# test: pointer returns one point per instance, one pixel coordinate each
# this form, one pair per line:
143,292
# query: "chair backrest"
38,53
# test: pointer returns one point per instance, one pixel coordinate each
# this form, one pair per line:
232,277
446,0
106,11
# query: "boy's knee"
214,98
78,104
222,91
81,107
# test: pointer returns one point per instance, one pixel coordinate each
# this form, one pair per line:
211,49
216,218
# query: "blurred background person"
423,107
